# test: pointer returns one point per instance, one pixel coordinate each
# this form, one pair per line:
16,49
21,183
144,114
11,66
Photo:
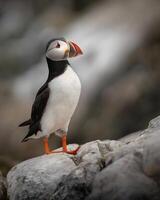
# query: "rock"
124,180
37,178
78,183
127,169
151,156
155,123
3,188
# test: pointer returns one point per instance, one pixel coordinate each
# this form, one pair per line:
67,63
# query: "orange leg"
46,146
64,143
64,147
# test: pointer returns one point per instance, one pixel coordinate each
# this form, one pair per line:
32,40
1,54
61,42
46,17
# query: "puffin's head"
60,49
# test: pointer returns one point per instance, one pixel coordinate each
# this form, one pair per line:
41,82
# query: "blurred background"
120,69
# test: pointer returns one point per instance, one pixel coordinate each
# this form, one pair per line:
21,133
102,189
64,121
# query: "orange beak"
75,50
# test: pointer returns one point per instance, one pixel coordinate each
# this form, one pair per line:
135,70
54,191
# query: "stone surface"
125,180
128,169
155,123
37,178
3,188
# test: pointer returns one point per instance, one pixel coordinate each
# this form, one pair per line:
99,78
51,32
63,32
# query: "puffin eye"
57,45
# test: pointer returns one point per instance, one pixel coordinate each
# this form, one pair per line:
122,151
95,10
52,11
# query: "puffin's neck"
56,68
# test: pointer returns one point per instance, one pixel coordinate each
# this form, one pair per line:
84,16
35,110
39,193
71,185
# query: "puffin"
57,98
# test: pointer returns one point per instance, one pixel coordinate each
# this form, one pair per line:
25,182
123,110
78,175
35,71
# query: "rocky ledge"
125,169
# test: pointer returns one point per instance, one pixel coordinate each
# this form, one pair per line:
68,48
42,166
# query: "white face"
58,50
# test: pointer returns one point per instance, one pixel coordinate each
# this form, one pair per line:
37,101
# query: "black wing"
28,122
38,110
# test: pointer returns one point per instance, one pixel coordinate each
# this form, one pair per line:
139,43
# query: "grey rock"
124,180
3,188
78,183
151,156
127,169
89,152
155,123
37,178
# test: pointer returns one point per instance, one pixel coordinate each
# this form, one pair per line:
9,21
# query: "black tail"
25,139
33,129
26,123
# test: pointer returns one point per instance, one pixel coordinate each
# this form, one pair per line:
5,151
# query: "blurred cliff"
120,70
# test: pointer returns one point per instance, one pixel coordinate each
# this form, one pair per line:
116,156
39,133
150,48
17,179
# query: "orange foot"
64,146
73,152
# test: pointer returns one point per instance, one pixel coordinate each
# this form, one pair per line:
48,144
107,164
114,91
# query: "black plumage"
56,68
37,112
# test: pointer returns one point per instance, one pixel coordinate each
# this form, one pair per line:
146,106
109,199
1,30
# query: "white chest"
64,95
65,86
